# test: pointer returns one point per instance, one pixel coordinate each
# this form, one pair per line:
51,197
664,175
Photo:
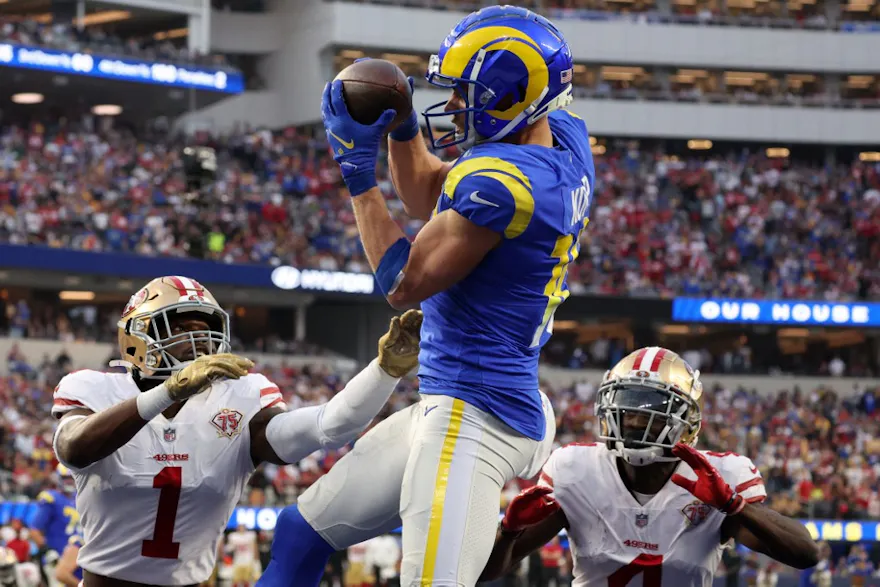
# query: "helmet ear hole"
130,351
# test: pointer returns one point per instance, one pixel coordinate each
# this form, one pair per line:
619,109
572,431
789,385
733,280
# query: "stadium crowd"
814,15
819,455
50,320
739,225
99,40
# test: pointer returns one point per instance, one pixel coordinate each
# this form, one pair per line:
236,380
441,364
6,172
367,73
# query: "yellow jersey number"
565,252
72,520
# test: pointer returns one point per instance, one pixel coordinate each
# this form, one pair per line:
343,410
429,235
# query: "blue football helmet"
510,66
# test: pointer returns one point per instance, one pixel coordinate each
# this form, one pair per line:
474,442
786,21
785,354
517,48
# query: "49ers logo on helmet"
135,301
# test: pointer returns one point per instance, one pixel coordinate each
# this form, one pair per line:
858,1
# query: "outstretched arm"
417,175
444,252
286,437
532,519
446,249
769,532
755,526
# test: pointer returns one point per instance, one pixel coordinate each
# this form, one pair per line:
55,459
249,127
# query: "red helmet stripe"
655,364
176,282
637,364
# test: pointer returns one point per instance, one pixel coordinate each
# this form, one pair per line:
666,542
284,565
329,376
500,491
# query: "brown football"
371,87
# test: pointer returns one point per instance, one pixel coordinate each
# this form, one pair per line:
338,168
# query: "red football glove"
709,487
528,508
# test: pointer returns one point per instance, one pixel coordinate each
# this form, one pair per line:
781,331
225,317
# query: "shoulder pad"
81,389
46,497
490,192
567,464
257,385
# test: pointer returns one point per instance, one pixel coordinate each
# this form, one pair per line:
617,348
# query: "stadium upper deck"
296,43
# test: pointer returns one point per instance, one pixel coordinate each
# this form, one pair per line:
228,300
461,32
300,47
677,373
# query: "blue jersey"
482,337
56,518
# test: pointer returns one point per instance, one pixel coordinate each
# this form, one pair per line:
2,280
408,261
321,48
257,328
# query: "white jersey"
243,546
672,540
154,511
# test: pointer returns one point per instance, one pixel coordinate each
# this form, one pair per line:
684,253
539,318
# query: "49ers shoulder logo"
227,422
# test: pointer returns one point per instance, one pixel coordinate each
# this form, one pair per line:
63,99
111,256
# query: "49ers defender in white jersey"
615,539
163,499
162,453
645,508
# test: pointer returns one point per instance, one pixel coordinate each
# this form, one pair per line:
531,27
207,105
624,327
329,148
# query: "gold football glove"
204,371
399,347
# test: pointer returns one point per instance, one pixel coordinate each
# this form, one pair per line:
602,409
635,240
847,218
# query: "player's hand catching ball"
355,145
202,372
399,347
533,505
709,486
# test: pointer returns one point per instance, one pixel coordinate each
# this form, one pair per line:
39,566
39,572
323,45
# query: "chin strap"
640,457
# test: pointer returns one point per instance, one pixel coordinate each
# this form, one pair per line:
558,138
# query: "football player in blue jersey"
56,520
489,270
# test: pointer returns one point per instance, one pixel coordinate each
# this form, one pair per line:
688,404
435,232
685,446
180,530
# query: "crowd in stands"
815,15
739,225
819,453
47,320
99,40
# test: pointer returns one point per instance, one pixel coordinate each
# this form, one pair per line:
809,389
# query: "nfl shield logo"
641,520
169,435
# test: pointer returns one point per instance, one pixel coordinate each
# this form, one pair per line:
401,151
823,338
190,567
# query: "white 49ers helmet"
660,387
145,331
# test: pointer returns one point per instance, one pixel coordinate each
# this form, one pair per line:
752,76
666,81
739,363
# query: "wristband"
734,505
406,130
359,181
389,273
153,402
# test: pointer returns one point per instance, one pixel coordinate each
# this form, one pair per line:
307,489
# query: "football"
371,87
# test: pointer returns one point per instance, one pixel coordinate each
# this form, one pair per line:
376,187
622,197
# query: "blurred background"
736,220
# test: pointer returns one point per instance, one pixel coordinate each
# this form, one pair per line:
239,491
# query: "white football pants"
436,468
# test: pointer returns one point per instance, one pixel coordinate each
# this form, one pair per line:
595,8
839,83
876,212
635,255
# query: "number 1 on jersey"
649,565
565,251
168,481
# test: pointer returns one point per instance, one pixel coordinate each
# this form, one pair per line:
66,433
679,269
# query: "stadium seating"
736,226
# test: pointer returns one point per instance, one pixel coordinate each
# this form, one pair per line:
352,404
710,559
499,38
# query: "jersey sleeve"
743,476
270,394
548,472
492,193
78,390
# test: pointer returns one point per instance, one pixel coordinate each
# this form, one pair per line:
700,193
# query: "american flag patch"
565,77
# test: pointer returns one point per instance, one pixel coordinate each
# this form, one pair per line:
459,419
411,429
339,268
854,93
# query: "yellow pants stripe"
440,492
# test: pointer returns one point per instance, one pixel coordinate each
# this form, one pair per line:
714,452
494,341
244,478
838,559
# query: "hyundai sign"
122,69
287,277
782,312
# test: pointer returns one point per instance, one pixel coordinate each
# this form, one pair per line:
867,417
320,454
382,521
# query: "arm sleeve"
75,391
296,434
744,477
270,395
491,193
